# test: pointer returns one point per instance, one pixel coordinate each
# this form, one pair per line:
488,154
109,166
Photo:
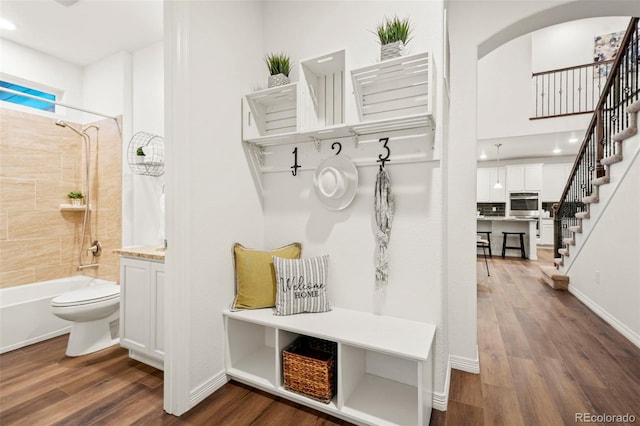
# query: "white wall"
148,116
293,213
477,28
211,199
571,43
34,66
612,251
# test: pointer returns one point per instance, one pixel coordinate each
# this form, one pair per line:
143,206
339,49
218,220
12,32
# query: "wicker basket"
309,368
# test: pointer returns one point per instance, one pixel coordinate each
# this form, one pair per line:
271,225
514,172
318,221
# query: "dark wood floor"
543,355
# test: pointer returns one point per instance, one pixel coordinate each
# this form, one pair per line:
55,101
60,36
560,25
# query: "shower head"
64,124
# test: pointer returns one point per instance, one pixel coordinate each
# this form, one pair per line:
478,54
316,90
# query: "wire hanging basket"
145,154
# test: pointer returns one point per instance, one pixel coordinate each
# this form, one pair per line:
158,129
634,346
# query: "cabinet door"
134,304
483,191
497,195
547,231
515,178
156,306
533,177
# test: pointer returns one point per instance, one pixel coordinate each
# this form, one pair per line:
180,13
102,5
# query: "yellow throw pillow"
255,275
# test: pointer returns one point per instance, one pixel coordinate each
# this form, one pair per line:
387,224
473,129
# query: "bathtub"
25,311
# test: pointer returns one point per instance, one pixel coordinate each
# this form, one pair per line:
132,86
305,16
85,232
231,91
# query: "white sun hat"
336,181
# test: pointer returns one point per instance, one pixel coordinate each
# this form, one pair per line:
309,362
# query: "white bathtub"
25,311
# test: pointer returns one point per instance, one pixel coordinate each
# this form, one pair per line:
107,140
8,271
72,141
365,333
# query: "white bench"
384,364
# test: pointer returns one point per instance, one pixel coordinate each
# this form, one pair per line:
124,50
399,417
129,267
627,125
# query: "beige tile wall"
39,164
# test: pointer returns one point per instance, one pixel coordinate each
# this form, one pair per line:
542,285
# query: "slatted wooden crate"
395,88
274,111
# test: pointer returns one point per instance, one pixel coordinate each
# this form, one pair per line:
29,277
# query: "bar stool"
505,246
488,239
480,243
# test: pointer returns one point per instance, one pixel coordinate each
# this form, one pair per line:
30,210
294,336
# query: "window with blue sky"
28,102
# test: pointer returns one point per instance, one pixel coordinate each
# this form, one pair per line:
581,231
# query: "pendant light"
497,185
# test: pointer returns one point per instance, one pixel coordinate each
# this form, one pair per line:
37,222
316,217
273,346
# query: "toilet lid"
92,294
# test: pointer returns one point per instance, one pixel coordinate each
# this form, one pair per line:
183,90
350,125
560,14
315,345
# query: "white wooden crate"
395,88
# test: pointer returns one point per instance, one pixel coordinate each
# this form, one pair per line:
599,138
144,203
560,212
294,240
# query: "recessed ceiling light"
483,156
573,140
6,25
557,151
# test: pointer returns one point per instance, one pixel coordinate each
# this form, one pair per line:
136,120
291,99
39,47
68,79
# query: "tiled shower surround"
39,164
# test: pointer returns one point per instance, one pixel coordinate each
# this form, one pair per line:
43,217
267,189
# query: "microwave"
524,204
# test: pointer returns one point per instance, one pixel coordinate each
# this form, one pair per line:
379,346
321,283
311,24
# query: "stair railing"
569,91
620,90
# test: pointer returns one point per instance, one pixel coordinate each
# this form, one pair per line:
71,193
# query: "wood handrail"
575,67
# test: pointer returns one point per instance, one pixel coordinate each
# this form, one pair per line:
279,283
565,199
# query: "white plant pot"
77,202
391,50
278,80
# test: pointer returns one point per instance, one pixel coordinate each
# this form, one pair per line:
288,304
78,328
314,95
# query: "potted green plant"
393,35
140,154
279,66
76,198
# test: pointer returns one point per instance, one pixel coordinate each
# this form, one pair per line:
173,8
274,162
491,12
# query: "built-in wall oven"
526,205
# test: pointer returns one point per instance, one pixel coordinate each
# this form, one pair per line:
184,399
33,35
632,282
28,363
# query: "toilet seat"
86,296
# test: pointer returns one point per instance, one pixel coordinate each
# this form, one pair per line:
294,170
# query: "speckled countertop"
503,218
143,252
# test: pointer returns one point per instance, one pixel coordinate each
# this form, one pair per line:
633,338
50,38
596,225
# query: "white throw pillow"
301,285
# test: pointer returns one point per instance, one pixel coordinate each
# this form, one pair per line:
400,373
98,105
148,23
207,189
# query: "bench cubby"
385,364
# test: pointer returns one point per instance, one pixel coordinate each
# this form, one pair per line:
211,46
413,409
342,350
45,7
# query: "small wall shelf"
73,208
384,377
152,162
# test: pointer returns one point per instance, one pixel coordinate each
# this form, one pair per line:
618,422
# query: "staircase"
614,121
584,217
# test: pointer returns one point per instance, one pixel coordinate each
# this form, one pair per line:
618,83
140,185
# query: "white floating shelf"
345,130
73,208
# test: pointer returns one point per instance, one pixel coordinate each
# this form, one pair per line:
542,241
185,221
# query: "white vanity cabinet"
142,309
384,364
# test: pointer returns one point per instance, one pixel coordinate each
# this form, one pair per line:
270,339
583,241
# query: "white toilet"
91,309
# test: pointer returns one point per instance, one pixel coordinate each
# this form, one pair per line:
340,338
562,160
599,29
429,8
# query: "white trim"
440,399
606,316
207,388
177,373
466,364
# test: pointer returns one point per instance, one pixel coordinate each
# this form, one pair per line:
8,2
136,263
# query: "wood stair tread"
555,279
564,252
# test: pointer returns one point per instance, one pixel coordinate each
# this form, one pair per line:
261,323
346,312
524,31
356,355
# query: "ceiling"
87,30
531,146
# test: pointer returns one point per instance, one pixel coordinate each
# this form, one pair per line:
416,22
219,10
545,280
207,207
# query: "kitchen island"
499,224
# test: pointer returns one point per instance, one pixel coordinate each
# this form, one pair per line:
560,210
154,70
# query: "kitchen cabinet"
547,232
526,177
486,178
554,179
142,297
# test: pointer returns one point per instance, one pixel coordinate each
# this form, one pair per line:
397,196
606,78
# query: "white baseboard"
606,316
440,399
207,388
466,364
